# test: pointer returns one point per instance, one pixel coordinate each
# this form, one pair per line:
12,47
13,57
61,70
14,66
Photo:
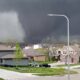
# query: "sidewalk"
56,64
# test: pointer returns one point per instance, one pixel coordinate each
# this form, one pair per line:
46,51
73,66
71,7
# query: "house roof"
6,51
32,52
7,56
4,47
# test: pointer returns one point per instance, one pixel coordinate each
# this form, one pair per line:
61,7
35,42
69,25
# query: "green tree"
18,54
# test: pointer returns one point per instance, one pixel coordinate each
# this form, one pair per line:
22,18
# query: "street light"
68,34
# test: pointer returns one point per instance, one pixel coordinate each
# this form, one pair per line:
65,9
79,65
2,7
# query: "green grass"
1,79
59,71
46,62
40,71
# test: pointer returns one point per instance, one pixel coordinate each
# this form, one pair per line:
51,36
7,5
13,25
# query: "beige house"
34,55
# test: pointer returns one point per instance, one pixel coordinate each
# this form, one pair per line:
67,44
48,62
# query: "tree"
18,54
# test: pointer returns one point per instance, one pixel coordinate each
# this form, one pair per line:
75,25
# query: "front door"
72,60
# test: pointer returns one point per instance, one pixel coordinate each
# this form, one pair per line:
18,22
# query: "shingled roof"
4,47
32,52
6,51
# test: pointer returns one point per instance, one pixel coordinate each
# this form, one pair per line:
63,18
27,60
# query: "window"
59,52
1,61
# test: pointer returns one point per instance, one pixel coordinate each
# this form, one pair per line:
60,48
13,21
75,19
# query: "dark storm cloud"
37,25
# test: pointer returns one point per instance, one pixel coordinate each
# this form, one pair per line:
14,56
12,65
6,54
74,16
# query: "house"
7,56
73,54
60,53
34,55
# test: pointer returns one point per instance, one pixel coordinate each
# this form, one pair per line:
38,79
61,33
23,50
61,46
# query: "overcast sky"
28,20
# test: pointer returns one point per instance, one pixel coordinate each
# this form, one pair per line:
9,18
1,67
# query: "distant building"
37,46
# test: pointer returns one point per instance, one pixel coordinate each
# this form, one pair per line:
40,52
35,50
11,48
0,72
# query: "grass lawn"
40,71
1,79
46,62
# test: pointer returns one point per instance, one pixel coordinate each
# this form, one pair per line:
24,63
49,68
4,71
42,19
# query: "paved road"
72,77
10,75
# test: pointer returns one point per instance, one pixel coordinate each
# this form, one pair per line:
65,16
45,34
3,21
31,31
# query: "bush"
54,59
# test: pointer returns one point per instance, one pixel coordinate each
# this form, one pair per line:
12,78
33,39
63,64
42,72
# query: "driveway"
56,64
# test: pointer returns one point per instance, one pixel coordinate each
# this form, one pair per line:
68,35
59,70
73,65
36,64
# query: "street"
73,77
11,75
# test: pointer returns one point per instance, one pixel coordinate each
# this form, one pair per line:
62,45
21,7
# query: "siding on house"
39,58
13,62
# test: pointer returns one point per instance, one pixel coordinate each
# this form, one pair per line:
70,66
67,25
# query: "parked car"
44,65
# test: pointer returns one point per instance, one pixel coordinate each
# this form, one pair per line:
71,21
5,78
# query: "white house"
73,54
